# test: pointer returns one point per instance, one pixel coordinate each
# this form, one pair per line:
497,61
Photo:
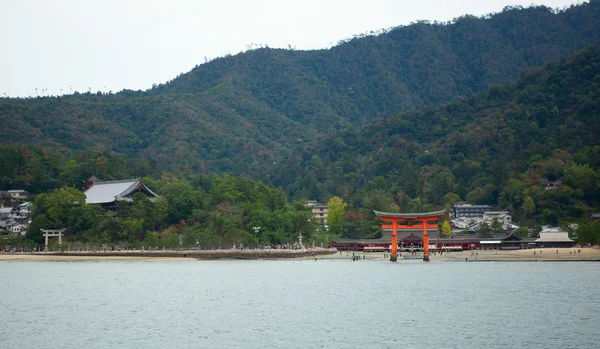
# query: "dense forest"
413,119
244,114
499,148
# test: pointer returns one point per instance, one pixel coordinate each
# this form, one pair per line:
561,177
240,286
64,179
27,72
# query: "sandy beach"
564,254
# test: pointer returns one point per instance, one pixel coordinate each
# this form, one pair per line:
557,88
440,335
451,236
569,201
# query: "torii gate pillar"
394,249
425,242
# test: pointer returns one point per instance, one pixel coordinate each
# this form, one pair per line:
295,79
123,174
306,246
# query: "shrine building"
108,193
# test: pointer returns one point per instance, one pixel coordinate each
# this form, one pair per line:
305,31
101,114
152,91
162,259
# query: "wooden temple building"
554,239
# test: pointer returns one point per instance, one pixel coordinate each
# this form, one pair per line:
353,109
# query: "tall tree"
337,208
446,229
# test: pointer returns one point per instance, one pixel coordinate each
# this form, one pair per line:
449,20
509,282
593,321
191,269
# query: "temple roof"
561,236
409,215
111,191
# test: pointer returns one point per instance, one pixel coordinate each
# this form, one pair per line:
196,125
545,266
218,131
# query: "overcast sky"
63,46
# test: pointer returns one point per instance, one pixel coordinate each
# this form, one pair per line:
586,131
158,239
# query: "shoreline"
587,254
189,255
530,255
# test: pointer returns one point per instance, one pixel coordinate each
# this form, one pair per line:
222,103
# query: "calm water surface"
299,304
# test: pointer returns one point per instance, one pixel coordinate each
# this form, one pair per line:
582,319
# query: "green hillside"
246,113
499,148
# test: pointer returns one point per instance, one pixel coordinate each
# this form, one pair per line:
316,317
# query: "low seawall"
200,254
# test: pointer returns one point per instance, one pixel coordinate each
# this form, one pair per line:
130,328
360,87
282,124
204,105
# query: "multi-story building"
463,209
319,211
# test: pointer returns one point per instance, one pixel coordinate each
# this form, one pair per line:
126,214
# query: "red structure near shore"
403,221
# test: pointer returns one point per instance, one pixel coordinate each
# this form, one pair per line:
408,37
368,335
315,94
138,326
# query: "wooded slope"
245,113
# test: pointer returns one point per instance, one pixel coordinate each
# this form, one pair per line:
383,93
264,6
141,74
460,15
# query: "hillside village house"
5,213
108,193
16,228
16,194
23,210
502,216
468,217
16,219
11,225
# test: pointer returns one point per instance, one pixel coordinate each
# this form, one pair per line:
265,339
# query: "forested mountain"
244,114
499,148
408,67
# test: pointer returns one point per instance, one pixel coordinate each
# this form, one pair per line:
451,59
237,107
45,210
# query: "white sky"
63,46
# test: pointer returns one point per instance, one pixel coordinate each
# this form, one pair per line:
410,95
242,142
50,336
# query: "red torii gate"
409,221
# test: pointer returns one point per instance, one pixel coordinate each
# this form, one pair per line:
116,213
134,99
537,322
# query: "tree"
581,177
83,220
550,216
60,204
450,199
34,233
71,174
337,208
446,229
182,199
588,233
522,232
535,231
528,206
484,231
496,226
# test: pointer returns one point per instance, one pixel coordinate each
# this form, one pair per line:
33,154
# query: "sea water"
299,304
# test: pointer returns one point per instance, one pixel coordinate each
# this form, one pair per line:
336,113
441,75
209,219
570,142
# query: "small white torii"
53,232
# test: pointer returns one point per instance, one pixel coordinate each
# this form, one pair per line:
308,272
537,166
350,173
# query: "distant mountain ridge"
245,113
405,68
